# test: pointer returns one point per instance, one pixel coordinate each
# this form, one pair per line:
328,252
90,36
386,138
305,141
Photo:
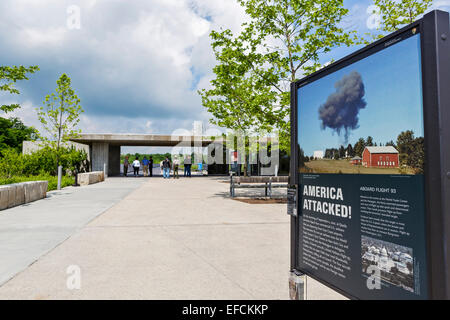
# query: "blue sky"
136,65
393,92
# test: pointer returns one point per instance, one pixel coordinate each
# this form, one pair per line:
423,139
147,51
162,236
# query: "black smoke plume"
340,111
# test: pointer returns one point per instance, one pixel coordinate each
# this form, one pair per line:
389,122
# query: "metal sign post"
297,286
59,177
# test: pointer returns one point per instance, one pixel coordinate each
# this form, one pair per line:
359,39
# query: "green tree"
341,152
416,158
404,141
369,141
391,143
350,151
239,99
60,114
302,159
13,132
395,14
8,77
283,40
359,147
412,150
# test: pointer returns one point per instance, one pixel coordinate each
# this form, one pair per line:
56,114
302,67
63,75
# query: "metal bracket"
292,196
297,286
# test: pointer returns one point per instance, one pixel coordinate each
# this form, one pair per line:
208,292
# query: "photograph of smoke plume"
365,118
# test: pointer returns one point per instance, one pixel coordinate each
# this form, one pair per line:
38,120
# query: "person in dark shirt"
126,164
150,166
166,168
187,166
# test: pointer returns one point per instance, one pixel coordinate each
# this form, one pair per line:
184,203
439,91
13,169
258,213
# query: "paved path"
168,239
29,231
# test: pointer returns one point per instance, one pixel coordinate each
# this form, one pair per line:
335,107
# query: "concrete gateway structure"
104,149
381,157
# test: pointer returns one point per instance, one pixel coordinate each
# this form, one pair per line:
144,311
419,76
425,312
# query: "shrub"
41,165
52,180
11,163
13,132
42,161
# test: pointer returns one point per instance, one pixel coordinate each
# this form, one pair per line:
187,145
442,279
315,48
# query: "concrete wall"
114,161
100,156
29,147
12,195
85,179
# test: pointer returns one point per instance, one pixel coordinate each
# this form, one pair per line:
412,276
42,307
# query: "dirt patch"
261,200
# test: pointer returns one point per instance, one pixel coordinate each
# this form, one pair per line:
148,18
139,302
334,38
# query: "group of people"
136,164
165,165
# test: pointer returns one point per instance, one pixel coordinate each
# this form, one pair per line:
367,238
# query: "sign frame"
434,30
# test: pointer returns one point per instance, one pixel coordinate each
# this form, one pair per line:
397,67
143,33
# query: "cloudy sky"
135,64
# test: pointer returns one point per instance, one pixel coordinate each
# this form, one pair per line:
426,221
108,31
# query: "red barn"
356,161
381,157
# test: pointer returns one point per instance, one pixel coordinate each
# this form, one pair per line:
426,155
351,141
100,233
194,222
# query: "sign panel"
361,174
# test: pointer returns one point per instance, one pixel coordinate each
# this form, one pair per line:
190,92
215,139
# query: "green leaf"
8,77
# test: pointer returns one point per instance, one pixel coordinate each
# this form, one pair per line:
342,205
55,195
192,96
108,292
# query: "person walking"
126,164
145,163
136,166
176,165
187,166
150,166
166,168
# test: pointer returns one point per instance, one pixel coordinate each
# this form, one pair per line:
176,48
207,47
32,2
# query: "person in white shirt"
136,166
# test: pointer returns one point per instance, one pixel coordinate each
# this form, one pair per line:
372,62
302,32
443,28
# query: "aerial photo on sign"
361,120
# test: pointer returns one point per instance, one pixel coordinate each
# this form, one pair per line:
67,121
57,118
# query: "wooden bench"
268,183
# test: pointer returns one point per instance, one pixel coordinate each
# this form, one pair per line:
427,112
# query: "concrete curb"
15,194
85,179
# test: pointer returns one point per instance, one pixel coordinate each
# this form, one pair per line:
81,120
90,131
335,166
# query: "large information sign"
361,134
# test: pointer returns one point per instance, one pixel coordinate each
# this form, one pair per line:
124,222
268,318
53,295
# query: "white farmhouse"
318,155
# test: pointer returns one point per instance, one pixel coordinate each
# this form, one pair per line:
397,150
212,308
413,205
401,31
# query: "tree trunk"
245,166
59,133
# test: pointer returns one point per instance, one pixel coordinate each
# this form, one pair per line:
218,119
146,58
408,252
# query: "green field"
344,166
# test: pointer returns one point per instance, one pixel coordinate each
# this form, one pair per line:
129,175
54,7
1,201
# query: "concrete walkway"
29,231
168,239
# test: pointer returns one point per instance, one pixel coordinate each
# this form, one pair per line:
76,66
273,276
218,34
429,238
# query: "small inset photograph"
394,261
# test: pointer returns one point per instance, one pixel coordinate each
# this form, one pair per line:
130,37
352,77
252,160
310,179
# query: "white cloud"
27,113
131,63
37,37
440,4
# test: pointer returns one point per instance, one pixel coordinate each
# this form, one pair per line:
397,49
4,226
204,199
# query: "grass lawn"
344,166
52,180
